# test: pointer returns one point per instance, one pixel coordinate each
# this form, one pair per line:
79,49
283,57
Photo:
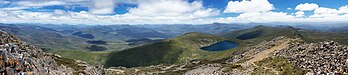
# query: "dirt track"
264,54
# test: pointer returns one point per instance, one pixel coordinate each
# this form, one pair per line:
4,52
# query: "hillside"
175,50
261,33
89,57
45,38
315,37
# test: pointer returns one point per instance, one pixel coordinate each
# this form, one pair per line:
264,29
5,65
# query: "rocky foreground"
318,58
19,58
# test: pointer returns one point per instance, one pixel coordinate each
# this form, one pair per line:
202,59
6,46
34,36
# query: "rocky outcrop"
19,58
318,58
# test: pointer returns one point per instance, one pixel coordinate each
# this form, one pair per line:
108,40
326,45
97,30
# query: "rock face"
318,58
19,58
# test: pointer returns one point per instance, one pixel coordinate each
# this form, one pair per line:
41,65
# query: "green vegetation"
175,50
50,40
89,57
157,53
314,37
97,48
277,65
250,35
262,33
97,42
70,63
87,36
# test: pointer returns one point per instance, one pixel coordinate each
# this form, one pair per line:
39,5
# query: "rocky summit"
318,58
19,58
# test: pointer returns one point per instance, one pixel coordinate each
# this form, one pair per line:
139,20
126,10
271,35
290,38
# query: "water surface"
220,46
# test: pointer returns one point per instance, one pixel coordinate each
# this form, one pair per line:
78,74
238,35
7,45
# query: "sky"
108,12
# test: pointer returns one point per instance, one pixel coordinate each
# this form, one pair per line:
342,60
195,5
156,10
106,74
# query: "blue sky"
105,12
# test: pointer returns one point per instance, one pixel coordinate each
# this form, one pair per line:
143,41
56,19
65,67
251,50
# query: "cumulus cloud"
147,12
248,6
169,11
264,17
4,2
324,14
39,3
172,9
20,5
299,14
343,10
102,7
59,12
307,7
324,10
321,14
289,8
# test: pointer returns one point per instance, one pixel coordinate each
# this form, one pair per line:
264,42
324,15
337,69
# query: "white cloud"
289,8
39,4
264,17
169,11
147,12
102,7
20,5
248,6
343,10
307,7
324,10
59,12
172,9
14,8
4,2
321,15
299,14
